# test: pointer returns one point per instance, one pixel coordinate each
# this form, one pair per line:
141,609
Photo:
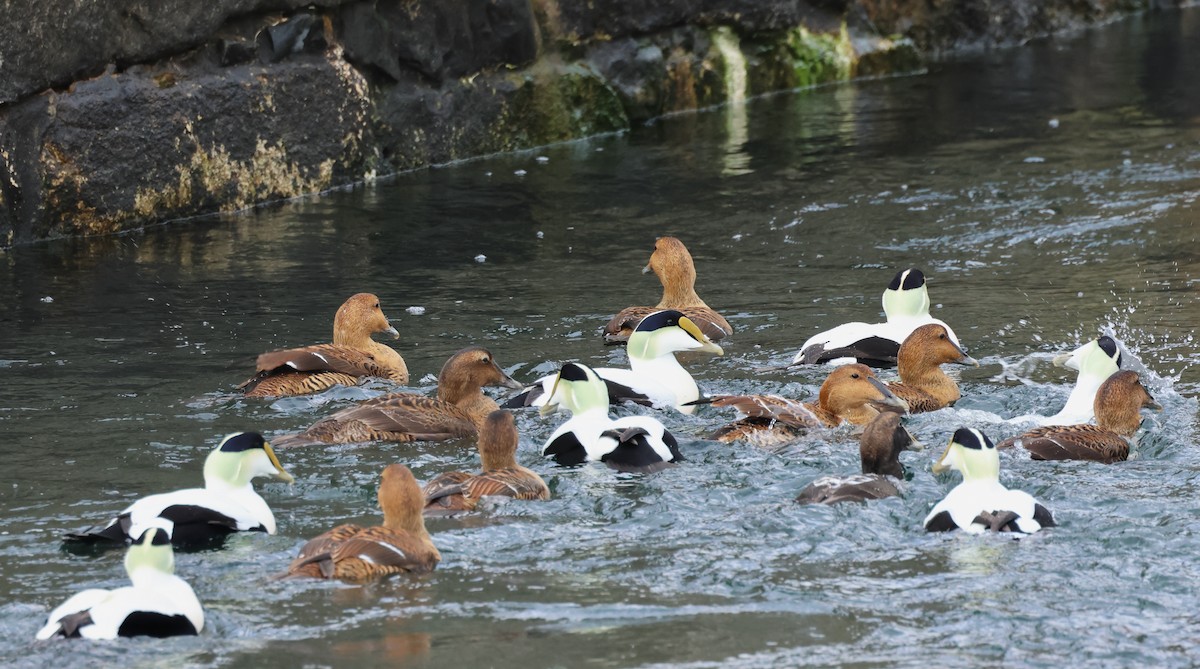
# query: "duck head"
1100,358
972,454
153,551
882,442
578,388
666,332
469,370
930,346
853,393
906,296
241,457
401,500
359,317
1119,403
498,440
672,264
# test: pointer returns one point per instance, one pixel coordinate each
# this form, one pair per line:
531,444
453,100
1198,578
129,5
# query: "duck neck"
884,464
667,371
919,373
1083,395
491,460
679,288
1125,420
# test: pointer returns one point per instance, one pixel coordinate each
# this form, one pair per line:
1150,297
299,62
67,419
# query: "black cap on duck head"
242,441
974,439
155,536
659,320
572,372
907,280
1110,348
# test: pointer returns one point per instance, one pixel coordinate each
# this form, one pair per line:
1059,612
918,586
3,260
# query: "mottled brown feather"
501,475
672,264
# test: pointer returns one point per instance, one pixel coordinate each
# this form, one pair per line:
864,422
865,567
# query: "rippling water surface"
1049,192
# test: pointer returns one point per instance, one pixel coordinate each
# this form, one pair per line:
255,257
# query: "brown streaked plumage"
458,411
922,383
879,448
501,475
353,553
352,356
850,394
673,266
1118,406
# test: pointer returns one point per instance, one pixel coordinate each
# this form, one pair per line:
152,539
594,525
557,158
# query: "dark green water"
798,208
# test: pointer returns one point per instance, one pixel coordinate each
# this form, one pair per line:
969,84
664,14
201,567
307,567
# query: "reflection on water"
118,357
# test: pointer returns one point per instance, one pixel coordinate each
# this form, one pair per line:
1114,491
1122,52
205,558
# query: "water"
798,209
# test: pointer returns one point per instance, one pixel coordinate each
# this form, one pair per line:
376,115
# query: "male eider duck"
654,376
673,265
1118,408
629,444
906,305
850,394
352,356
981,502
157,604
501,476
1095,362
923,384
354,553
879,448
457,412
202,517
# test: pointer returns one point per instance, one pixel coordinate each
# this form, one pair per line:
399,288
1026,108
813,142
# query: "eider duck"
501,476
906,306
354,553
629,444
352,356
923,384
202,517
673,265
981,502
457,412
1118,408
655,377
1095,361
157,604
879,448
850,394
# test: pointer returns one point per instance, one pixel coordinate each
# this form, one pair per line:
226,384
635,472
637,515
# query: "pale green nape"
228,468
641,345
1095,361
979,464
906,303
589,394
146,555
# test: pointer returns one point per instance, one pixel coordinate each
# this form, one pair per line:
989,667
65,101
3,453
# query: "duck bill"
551,403
1152,405
647,269
890,401
913,445
506,380
1061,360
391,331
707,345
965,359
942,463
280,472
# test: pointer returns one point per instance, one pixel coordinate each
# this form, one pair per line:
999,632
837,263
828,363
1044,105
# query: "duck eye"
854,375
376,305
484,360
942,336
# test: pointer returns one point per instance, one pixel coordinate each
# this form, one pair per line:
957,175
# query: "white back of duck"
1095,361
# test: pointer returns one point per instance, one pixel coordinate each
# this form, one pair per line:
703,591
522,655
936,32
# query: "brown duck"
355,553
673,265
458,411
922,383
1118,406
352,356
879,448
850,394
501,476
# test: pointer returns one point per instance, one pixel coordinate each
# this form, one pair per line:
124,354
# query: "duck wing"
713,325
859,488
299,371
445,492
392,417
918,400
1072,442
379,551
514,482
771,407
315,558
871,350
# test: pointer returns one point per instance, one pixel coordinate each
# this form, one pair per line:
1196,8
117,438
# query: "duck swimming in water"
981,502
850,394
354,553
629,444
1118,406
923,384
673,266
157,603
202,517
1095,362
501,476
351,357
457,412
879,448
654,377
906,306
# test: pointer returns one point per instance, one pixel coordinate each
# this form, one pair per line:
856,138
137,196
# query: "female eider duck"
457,412
354,553
157,604
673,265
906,306
629,444
1118,408
923,384
202,517
654,377
352,356
501,476
850,394
879,448
981,502
1095,362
